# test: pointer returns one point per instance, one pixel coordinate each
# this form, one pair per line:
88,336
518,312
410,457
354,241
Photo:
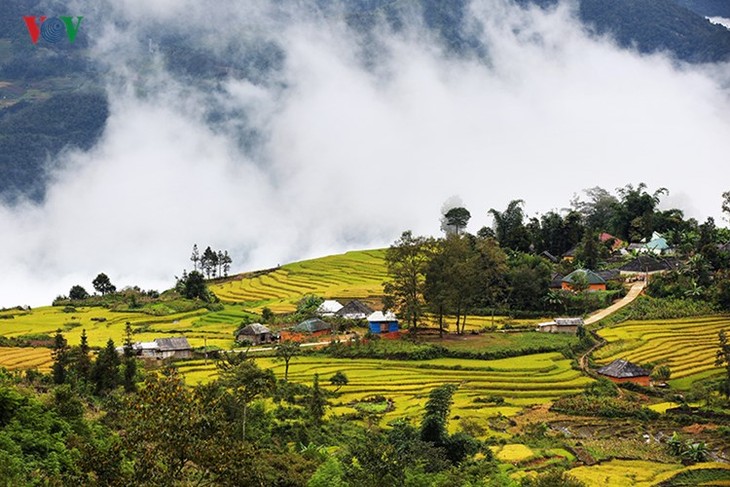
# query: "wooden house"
561,325
255,333
380,322
163,348
594,281
622,370
329,307
355,310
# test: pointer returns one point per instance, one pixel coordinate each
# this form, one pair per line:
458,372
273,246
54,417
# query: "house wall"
642,381
559,329
383,326
591,287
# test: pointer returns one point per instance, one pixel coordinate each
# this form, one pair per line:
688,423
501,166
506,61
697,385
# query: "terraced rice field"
357,274
686,345
620,473
25,358
521,381
197,325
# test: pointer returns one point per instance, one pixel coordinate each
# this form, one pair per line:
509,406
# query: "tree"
82,361
209,262
266,315
317,402
226,261
339,379
195,257
194,287
723,359
435,419
588,252
284,352
726,204
455,220
61,358
406,262
130,363
247,381
77,293
509,228
105,372
103,284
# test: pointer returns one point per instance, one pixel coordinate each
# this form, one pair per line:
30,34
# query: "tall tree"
247,382
406,261
209,262
77,293
317,402
195,257
105,372
726,204
103,284
227,261
82,361
491,269
285,351
435,419
509,227
61,358
130,363
723,359
455,220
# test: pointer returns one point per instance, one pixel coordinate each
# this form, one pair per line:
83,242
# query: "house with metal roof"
561,325
380,322
355,310
255,333
162,348
329,307
593,280
621,370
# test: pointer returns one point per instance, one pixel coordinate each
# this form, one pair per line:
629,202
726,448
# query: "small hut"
162,348
255,333
561,325
380,322
622,370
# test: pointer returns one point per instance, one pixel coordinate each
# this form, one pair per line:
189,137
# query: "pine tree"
130,363
61,358
195,257
105,373
317,402
83,361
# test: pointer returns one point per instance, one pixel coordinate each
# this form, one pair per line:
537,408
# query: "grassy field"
521,381
686,345
357,274
638,473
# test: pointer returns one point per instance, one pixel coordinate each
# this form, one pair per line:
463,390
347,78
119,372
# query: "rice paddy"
25,358
620,473
686,345
357,274
521,381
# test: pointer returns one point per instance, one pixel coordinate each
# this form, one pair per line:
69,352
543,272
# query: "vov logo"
52,29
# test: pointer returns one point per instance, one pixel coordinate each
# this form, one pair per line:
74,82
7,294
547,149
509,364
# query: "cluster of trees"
74,365
102,284
212,263
243,428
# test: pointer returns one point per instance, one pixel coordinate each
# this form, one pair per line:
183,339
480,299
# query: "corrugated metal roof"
379,316
254,329
312,325
622,369
355,307
569,321
591,277
173,344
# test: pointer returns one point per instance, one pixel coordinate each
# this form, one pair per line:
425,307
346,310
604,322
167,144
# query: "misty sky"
350,153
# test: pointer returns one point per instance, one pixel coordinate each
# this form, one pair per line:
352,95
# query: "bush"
608,407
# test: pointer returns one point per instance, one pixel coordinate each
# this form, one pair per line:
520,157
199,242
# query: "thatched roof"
354,307
173,344
253,329
622,369
312,325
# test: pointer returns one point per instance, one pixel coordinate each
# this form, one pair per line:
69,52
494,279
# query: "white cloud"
350,156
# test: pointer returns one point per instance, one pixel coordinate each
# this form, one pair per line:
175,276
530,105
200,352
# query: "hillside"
356,274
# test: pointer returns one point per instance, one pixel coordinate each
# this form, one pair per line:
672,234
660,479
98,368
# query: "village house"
622,370
593,280
354,310
162,348
647,265
309,328
379,322
329,307
255,333
615,242
561,325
